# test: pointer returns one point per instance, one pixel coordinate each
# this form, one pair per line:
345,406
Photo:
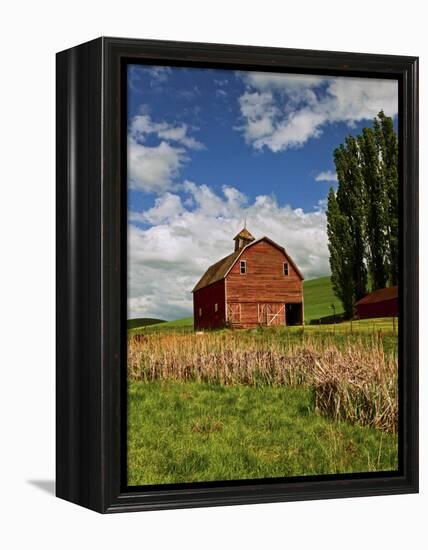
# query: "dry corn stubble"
356,381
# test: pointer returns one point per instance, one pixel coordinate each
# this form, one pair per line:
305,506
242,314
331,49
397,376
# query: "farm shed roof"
381,295
220,269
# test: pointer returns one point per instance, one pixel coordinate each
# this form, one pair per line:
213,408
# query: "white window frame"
286,269
243,264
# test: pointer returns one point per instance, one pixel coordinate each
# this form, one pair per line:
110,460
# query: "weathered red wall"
387,308
206,298
264,282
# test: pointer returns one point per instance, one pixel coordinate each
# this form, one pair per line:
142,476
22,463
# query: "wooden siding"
205,299
387,308
264,280
271,314
257,297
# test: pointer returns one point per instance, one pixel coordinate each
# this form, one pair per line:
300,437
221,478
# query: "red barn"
258,284
380,303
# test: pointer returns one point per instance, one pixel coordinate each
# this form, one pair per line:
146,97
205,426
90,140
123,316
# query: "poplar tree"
362,216
387,143
375,209
350,199
340,248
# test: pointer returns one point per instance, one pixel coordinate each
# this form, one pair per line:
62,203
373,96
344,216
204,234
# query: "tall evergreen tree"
340,248
387,143
375,208
362,216
350,199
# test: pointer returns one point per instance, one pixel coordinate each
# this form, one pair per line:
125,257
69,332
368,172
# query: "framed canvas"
237,282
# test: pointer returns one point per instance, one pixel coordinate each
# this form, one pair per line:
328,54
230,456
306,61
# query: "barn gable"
220,269
274,244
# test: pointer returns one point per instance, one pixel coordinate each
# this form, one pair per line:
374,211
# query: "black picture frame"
91,274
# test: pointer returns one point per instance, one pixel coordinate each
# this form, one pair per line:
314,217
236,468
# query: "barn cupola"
243,238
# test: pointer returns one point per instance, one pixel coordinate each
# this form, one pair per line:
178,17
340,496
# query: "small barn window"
243,267
200,312
216,307
286,268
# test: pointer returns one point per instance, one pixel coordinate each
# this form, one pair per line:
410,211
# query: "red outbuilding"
258,284
380,303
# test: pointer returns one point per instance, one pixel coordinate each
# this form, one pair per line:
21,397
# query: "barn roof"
220,269
381,295
217,271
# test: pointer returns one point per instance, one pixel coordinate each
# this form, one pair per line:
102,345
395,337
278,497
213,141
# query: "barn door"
276,314
271,314
234,314
262,313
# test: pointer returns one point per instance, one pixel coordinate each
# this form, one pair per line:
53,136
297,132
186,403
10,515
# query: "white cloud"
285,111
167,259
142,125
158,75
153,168
328,175
286,83
259,112
165,207
221,93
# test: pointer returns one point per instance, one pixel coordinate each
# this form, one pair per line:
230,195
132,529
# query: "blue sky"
207,148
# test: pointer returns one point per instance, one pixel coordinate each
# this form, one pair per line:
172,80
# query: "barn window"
243,267
216,307
286,268
200,312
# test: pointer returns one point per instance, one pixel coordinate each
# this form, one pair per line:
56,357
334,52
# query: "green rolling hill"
185,324
143,322
319,296
178,324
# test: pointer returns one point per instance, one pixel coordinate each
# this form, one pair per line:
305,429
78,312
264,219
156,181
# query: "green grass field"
385,325
198,431
183,432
